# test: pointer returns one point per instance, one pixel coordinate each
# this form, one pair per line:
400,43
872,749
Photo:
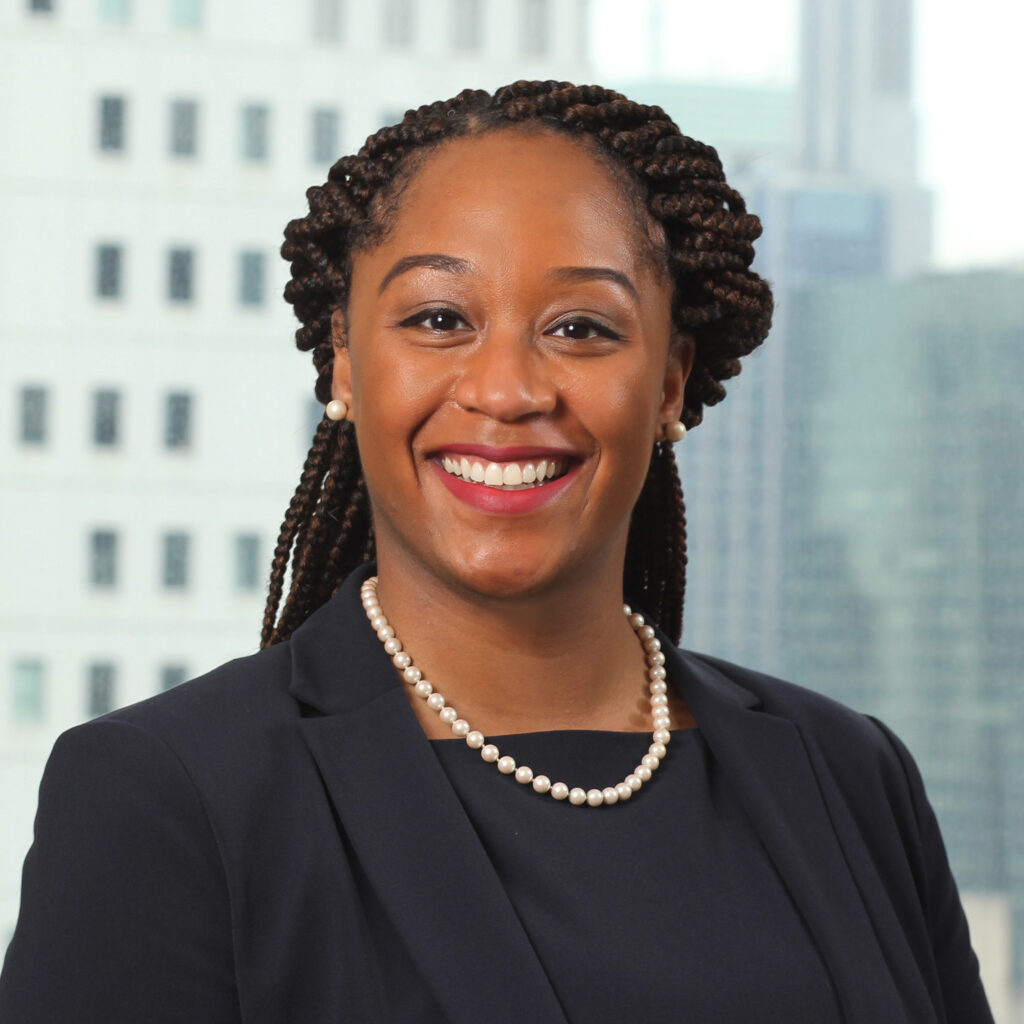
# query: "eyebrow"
430,260
595,274
455,265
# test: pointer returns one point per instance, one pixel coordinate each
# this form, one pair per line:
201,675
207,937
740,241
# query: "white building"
155,411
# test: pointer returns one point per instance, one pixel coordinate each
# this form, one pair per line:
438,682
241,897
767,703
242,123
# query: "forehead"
515,190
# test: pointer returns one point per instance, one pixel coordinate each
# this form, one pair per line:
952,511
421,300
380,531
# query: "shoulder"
220,729
853,747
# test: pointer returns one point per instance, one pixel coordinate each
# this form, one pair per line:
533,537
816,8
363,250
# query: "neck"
561,658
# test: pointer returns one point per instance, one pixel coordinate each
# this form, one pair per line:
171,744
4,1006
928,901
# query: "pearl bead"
402,661
659,700
541,784
392,645
595,797
378,621
627,609
610,795
661,736
423,689
559,790
524,774
460,727
650,761
652,645
435,702
662,722
489,753
448,715
412,675
645,632
624,790
643,773
658,672
636,620
577,796
659,686
506,765
475,739
657,750
385,633
634,782
657,658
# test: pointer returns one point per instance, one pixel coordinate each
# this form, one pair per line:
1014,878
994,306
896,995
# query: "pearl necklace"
523,774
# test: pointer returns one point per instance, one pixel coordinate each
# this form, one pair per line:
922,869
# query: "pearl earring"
336,410
675,431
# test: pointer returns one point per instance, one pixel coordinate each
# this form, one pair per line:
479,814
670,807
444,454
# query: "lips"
505,480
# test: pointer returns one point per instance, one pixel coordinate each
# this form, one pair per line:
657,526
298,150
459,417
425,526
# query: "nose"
504,377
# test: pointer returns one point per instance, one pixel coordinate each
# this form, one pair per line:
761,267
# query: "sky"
969,90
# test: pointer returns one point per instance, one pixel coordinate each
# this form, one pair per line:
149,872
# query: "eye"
582,328
439,320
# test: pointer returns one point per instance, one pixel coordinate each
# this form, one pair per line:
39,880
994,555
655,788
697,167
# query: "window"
186,13
103,558
115,12
27,690
184,127
100,698
40,6
178,423
467,24
247,561
108,271
398,26
113,113
175,559
255,132
106,418
251,266
32,426
179,275
172,675
534,27
325,136
327,17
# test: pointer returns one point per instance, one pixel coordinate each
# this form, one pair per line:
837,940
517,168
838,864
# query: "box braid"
704,243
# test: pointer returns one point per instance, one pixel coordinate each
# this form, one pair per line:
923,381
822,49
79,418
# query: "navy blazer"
207,855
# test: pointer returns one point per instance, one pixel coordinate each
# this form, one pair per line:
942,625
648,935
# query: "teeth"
510,475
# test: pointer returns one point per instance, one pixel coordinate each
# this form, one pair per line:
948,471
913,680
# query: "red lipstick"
495,500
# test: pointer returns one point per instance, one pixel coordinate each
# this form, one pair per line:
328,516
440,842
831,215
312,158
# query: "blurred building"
904,539
156,414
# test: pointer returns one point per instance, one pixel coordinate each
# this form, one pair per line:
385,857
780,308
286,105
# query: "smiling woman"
516,304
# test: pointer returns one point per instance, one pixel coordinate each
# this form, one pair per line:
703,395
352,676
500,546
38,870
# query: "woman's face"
506,356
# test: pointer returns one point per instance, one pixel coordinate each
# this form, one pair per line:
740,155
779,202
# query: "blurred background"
856,507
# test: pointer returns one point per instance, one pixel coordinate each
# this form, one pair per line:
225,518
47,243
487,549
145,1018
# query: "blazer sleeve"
956,964
124,910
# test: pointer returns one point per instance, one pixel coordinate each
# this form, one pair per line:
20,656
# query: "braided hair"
705,242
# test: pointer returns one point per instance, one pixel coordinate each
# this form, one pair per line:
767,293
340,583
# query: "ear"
677,371
341,380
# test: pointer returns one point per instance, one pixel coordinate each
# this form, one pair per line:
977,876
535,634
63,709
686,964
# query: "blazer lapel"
407,827
765,761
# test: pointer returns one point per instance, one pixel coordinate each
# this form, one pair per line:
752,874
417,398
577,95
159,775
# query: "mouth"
506,475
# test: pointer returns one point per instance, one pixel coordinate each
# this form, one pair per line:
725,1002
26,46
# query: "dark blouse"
668,900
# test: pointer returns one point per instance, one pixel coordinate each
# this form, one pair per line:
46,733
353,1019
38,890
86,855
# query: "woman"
431,796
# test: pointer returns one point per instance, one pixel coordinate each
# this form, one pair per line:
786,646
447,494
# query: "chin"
504,573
